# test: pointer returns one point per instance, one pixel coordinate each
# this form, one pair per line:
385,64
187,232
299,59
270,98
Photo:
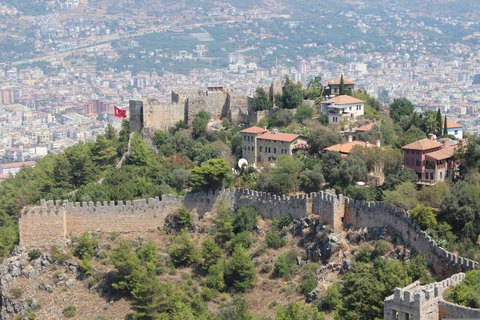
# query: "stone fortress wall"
426,302
52,223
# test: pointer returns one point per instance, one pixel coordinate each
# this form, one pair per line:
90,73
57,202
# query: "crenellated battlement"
420,302
54,221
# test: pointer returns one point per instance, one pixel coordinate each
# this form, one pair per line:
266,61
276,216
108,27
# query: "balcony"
427,182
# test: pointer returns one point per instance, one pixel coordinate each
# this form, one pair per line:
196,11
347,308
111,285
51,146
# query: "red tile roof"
338,80
17,164
424,144
367,127
345,148
441,154
451,125
345,99
253,130
288,137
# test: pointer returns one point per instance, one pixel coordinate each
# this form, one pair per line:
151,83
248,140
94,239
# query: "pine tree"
239,271
342,86
223,222
211,252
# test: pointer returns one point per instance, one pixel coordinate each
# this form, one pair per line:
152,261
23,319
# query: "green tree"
274,240
86,246
311,180
184,252
283,267
292,95
223,222
61,172
242,311
323,138
395,179
363,293
211,253
236,145
299,311
82,168
467,292
104,153
141,155
304,112
211,176
184,217
243,239
129,268
417,270
308,284
261,101
280,118
206,153
314,89
180,179
239,270
245,219
438,131
404,196
164,143
424,217
401,107
445,129
199,124
342,87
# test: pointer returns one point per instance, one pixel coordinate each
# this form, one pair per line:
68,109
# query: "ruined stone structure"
52,223
217,101
426,302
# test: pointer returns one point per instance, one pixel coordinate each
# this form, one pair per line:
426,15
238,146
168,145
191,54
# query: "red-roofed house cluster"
260,145
431,160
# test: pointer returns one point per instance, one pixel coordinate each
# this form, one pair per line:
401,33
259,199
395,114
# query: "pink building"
431,160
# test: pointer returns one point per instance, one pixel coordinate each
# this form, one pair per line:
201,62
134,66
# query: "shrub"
59,256
382,247
284,221
70,310
185,252
103,254
214,279
322,235
55,277
239,270
207,293
184,217
245,219
243,239
86,246
211,252
272,304
34,254
266,268
16,292
274,240
259,251
101,317
308,284
333,297
85,266
114,235
363,255
283,267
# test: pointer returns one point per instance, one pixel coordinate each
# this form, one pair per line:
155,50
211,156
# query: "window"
456,132
244,138
408,151
441,175
260,149
269,150
275,150
418,163
248,148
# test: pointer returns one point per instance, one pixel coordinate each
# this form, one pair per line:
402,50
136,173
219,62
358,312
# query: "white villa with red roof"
343,107
261,145
455,129
431,160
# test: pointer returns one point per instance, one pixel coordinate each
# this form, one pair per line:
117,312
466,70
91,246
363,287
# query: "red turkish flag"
120,113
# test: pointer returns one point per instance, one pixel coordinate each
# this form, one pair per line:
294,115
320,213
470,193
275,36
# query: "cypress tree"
439,123
342,86
445,131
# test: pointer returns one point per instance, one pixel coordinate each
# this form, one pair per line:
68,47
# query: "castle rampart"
426,302
51,224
